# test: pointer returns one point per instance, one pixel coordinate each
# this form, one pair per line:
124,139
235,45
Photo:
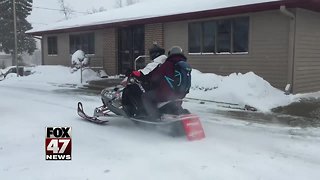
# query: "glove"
136,74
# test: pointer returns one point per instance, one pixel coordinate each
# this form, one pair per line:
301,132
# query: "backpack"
182,77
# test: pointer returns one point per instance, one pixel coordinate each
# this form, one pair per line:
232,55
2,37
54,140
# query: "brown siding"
110,46
63,57
153,33
307,52
268,48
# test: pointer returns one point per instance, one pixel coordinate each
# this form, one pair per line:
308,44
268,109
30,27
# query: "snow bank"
243,89
238,88
5,70
56,74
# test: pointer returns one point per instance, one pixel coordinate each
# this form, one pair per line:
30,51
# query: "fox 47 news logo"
58,143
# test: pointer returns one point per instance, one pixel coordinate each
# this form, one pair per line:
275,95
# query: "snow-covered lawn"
245,89
242,89
232,149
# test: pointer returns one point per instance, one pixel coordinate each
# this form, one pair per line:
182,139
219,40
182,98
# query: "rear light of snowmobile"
192,127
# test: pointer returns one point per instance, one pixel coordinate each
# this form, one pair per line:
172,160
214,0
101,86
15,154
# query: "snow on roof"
147,9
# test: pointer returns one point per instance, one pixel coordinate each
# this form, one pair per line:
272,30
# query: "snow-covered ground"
232,149
242,89
238,88
53,74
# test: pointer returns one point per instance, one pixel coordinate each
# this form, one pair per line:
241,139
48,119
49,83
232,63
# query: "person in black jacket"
131,96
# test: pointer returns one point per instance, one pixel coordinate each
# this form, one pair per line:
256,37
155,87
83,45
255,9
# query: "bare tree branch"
94,10
130,2
66,10
119,4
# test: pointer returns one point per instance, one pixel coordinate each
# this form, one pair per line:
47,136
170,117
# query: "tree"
120,4
26,43
65,9
130,2
94,10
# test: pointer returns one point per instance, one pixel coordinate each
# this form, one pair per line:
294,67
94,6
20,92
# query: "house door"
131,45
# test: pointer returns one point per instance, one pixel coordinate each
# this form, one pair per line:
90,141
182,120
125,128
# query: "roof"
154,11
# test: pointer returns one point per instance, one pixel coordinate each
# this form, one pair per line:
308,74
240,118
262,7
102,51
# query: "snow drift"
237,88
243,89
56,74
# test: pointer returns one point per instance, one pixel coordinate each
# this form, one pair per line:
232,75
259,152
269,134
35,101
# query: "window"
224,36
221,36
240,34
208,35
52,45
84,42
195,37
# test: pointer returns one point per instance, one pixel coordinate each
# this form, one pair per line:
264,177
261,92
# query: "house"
278,40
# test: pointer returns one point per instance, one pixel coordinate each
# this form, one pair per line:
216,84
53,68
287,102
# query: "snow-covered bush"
79,58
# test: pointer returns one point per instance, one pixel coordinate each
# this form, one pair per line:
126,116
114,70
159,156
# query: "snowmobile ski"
84,116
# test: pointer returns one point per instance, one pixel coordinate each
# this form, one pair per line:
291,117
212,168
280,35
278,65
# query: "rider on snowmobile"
131,96
161,90
157,55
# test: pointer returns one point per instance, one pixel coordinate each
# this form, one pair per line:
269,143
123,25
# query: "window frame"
79,41
199,36
229,36
233,45
203,37
232,35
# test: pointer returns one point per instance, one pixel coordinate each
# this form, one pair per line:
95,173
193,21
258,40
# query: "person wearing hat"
157,56
131,96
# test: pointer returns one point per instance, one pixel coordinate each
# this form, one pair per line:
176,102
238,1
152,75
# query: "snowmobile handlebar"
134,80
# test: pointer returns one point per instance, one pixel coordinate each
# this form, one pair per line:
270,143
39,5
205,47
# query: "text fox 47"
58,143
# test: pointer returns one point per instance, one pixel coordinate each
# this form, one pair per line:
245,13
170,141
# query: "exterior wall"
64,57
153,33
268,48
307,52
110,51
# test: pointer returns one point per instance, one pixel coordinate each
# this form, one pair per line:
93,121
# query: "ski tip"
80,107
79,104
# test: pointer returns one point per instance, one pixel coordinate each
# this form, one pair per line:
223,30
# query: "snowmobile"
180,121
